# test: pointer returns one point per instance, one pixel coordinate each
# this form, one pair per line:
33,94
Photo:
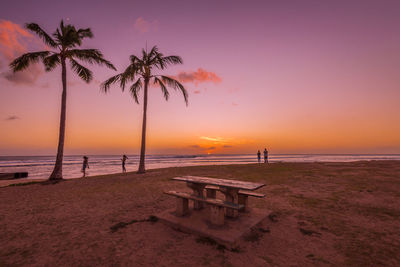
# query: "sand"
323,214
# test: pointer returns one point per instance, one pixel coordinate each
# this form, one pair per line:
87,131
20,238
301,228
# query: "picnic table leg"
243,200
197,191
182,206
217,215
231,195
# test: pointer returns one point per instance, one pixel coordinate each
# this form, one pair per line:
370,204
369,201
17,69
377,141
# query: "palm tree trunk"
57,172
143,146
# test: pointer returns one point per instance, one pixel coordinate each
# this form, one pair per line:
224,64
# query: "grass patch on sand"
27,183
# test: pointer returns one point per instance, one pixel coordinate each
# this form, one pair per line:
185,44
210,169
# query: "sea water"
41,166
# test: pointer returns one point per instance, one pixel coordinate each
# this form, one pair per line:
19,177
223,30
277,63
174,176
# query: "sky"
289,76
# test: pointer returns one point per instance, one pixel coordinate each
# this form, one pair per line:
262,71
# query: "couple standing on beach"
265,156
86,164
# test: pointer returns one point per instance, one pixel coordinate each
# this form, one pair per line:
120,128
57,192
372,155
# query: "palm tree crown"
140,73
140,69
65,40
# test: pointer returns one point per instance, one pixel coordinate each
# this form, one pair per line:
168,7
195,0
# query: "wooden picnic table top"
220,182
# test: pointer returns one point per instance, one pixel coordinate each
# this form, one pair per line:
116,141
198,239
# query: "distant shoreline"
5,183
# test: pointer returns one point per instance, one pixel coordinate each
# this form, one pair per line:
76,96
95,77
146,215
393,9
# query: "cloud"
233,90
13,42
199,76
197,92
45,85
12,118
234,104
227,146
213,139
13,39
143,25
195,146
28,76
211,148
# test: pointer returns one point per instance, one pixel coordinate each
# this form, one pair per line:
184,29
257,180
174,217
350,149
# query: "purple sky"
293,76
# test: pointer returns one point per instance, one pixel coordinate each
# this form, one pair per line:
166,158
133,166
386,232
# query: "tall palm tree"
140,72
64,43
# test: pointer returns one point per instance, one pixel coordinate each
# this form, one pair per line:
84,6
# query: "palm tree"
64,43
140,72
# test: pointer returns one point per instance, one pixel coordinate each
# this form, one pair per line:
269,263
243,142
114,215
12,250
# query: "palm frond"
105,86
42,34
144,56
128,75
135,88
153,52
25,60
163,87
58,36
85,33
84,73
50,62
172,60
134,59
90,56
70,37
176,85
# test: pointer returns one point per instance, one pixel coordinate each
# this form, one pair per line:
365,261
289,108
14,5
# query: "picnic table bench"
211,192
236,193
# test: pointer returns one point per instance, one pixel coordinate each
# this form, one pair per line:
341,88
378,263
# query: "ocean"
41,166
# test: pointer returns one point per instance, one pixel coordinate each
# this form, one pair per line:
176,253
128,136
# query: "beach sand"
323,214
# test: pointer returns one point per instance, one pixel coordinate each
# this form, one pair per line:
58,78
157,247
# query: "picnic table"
232,189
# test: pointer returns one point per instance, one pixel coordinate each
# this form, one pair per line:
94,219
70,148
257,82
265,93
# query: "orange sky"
295,79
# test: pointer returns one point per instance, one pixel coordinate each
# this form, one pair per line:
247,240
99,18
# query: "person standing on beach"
124,158
259,156
85,165
265,155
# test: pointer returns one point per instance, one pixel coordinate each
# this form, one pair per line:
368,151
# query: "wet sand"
323,214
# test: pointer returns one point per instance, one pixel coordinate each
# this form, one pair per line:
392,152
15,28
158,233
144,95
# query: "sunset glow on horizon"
291,76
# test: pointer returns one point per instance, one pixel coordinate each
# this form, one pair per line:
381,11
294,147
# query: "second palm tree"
140,73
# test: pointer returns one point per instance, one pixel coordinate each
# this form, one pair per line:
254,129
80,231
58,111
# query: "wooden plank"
241,192
212,201
213,187
251,194
220,182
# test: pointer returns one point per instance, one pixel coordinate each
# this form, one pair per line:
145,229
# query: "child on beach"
265,155
259,156
85,165
124,158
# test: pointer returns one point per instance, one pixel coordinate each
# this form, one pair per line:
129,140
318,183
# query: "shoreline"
325,213
5,183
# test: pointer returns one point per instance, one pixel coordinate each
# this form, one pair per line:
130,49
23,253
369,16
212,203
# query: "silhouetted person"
124,158
85,165
259,156
265,155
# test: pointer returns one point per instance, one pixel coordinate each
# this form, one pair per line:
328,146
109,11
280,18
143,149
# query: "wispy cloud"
199,76
233,90
213,139
28,76
143,25
13,42
12,118
13,39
